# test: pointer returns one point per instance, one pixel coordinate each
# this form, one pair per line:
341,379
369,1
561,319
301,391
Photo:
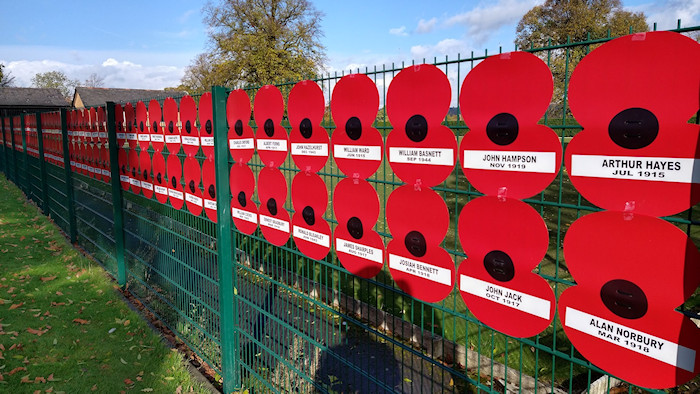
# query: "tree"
257,42
6,80
55,80
557,22
94,81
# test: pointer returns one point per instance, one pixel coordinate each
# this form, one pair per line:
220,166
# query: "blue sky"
148,44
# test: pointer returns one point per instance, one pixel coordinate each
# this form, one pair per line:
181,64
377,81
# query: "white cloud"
426,26
398,31
483,21
667,12
116,73
447,46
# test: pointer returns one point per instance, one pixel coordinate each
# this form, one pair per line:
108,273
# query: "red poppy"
206,124
134,176
160,179
358,148
145,175
274,218
420,148
243,209
189,132
637,150
632,272
172,127
209,183
142,129
418,220
308,140
241,142
496,280
175,190
359,248
119,120
310,231
193,194
506,151
271,138
129,116
154,118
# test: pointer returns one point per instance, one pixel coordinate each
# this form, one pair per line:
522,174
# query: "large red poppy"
175,191
145,174
241,141
310,231
155,128
172,126
209,193
189,132
271,138
274,218
243,209
193,194
308,140
160,179
206,124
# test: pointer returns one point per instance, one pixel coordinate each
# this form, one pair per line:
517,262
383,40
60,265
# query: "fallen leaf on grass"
25,379
48,278
147,390
81,321
58,293
37,332
94,388
51,378
15,306
128,381
14,371
39,379
123,361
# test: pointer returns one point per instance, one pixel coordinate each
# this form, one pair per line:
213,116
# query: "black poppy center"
243,201
212,191
634,128
160,178
624,298
355,227
171,127
155,126
415,243
417,128
499,265
238,128
353,128
191,185
173,181
207,126
502,129
141,126
188,127
305,128
145,175
308,215
269,128
271,206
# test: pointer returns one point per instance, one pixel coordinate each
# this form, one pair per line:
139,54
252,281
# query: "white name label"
106,172
157,137
249,216
121,136
131,136
420,269
146,185
193,141
357,152
207,141
172,139
541,162
102,134
144,137
359,250
505,296
637,341
273,145
193,199
309,149
176,194
660,169
135,182
161,189
431,156
244,143
210,204
123,178
312,236
277,224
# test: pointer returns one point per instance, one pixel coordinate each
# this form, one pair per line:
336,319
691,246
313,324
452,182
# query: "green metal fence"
268,318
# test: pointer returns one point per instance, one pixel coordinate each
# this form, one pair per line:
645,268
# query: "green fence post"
42,165
14,150
68,178
230,368
23,129
4,147
116,194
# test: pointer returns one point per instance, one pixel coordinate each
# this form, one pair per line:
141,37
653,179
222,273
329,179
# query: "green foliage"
6,80
557,22
257,42
55,80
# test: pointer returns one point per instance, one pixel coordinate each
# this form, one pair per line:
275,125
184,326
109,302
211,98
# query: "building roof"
31,98
92,97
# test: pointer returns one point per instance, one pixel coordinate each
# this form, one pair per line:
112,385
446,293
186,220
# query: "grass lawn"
63,326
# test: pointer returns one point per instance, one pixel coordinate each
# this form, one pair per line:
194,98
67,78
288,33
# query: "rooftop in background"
92,97
18,100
